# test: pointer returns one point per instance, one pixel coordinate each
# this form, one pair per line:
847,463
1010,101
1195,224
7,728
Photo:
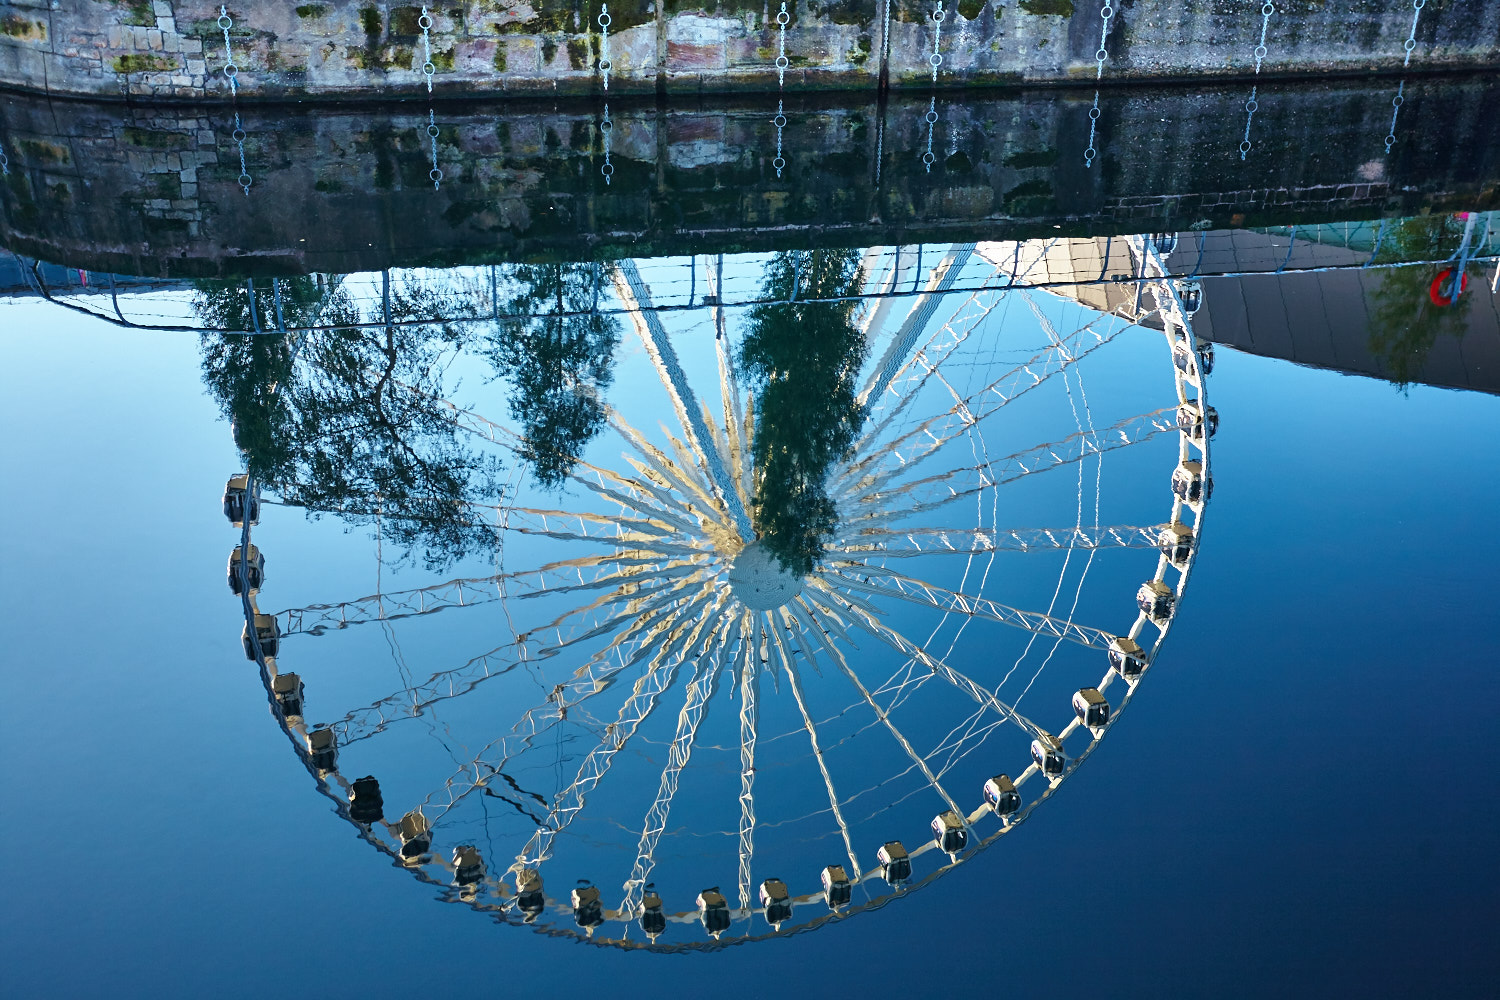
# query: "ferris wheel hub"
758,581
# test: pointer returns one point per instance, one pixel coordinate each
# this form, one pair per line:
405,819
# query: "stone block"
690,57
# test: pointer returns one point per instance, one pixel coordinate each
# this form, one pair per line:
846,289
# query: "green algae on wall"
1048,8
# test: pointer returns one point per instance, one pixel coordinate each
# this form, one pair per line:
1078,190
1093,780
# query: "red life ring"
1435,290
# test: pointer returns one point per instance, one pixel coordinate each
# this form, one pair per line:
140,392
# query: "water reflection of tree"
803,358
1404,322
350,419
557,352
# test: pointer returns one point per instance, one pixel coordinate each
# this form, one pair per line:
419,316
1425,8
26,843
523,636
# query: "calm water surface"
752,591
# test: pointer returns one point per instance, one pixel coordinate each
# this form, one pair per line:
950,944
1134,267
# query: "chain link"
4,163
231,71
428,69
1411,38
605,65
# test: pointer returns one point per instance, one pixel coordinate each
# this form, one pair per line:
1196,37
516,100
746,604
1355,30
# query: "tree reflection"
557,351
352,420
803,358
1404,321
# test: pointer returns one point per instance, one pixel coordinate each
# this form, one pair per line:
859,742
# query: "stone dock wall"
177,191
351,49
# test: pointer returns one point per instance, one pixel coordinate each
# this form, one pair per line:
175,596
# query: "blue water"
1301,800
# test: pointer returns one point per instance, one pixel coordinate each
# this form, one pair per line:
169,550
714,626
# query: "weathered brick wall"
157,190
351,48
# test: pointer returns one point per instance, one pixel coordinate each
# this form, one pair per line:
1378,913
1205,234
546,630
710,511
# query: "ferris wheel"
672,737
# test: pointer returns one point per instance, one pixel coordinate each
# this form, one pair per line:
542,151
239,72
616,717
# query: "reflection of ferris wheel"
912,718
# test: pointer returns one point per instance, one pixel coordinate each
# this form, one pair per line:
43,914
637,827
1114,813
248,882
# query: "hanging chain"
605,128
780,122
604,62
425,22
782,62
4,163
238,135
435,174
929,158
1396,102
231,71
936,59
1091,152
1267,10
1251,106
1106,14
1411,39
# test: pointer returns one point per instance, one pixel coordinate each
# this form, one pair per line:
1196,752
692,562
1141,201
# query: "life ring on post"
1436,292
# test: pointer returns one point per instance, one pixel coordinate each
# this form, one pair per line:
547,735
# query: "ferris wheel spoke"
660,674
794,676
735,433
930,436
905,744
915,374
681,473
700,691
900,586
976,692
749,734
366,722
940,280
636,297
894,543
936,491
589,680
